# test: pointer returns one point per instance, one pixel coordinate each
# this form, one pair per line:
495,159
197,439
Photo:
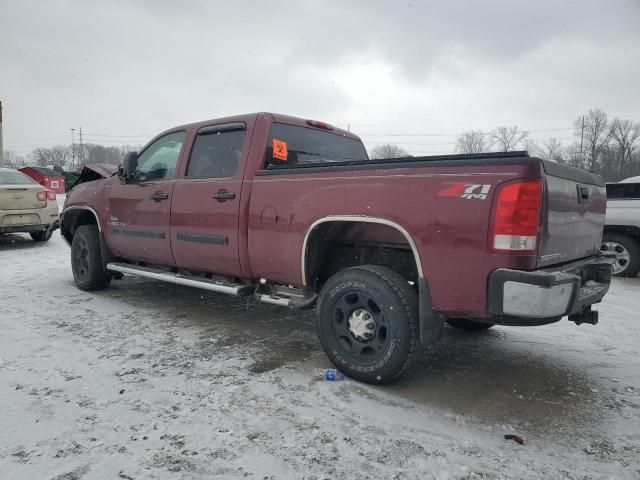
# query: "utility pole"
1,146
581,140
73,151
81,148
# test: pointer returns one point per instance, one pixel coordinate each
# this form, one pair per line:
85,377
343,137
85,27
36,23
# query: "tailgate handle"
583,193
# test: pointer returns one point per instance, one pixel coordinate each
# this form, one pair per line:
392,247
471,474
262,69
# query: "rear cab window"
15,178
290,146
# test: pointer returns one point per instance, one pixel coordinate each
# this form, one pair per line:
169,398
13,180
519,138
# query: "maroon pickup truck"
293,212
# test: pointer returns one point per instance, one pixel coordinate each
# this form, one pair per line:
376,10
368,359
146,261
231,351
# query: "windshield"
15,178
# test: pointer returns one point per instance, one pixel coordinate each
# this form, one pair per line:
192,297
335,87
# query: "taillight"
516,217
46,195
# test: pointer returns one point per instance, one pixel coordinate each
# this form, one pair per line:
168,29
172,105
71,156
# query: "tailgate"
573,219
20,197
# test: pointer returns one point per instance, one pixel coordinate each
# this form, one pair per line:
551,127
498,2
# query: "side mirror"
129,165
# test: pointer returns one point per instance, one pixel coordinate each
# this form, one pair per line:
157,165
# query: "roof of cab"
277,117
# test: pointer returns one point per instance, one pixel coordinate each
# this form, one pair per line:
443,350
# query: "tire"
469,325
627,252
86,260
356,298
42,236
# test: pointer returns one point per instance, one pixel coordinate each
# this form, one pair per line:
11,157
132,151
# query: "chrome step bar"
237,289
288,297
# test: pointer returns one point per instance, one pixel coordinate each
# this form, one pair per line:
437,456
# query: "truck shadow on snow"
499,377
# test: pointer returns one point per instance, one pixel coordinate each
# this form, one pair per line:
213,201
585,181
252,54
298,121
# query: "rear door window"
217,151
291,146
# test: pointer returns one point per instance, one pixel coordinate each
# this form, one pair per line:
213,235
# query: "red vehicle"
293,212
46,177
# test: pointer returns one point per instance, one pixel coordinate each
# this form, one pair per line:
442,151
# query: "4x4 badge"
469,191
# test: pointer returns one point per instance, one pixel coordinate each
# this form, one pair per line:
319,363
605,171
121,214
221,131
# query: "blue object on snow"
332,375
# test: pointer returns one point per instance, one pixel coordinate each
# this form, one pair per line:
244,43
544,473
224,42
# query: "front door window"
159,160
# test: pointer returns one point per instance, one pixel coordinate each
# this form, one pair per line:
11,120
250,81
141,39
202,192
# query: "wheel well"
74,219
335,245
629,230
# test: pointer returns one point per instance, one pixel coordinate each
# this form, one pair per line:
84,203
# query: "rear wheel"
469,325
368,323
86,259
42,236
627,254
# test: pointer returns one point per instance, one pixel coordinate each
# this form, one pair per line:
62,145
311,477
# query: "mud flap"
105,254
431,323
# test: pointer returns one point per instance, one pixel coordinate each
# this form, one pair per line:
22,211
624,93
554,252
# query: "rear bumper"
29,228
543,296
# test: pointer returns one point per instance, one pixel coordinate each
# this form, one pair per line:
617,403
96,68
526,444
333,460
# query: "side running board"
219,286
272,294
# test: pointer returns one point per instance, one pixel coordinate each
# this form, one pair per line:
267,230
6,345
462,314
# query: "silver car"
26,206
622,227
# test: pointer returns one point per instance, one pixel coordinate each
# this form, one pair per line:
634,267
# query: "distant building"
46,177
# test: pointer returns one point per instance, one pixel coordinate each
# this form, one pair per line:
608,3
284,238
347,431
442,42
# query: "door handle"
159,196
223,195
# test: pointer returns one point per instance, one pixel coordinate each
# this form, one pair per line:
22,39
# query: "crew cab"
292,212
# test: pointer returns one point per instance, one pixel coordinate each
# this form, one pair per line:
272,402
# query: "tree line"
69,157
610,148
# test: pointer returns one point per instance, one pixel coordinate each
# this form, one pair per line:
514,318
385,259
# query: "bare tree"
531,146
552,150
625,136
573,157
388,150
596,134
13,160
57,156
508,138
473,141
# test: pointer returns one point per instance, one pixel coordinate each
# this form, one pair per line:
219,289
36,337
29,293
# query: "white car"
27,206
622,227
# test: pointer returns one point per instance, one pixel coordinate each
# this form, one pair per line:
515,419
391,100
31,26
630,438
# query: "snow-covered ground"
149,380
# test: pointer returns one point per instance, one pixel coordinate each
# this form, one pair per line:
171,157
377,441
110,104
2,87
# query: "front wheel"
368,323
86,260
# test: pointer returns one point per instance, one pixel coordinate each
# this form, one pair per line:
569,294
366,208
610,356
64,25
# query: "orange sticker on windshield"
280,150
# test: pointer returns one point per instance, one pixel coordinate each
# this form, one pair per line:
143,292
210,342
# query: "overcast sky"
124,71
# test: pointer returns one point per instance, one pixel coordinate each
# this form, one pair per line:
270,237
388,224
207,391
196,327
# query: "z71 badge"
470,191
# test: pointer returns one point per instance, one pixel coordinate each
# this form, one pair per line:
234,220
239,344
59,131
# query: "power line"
498,122
115,136
448,134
